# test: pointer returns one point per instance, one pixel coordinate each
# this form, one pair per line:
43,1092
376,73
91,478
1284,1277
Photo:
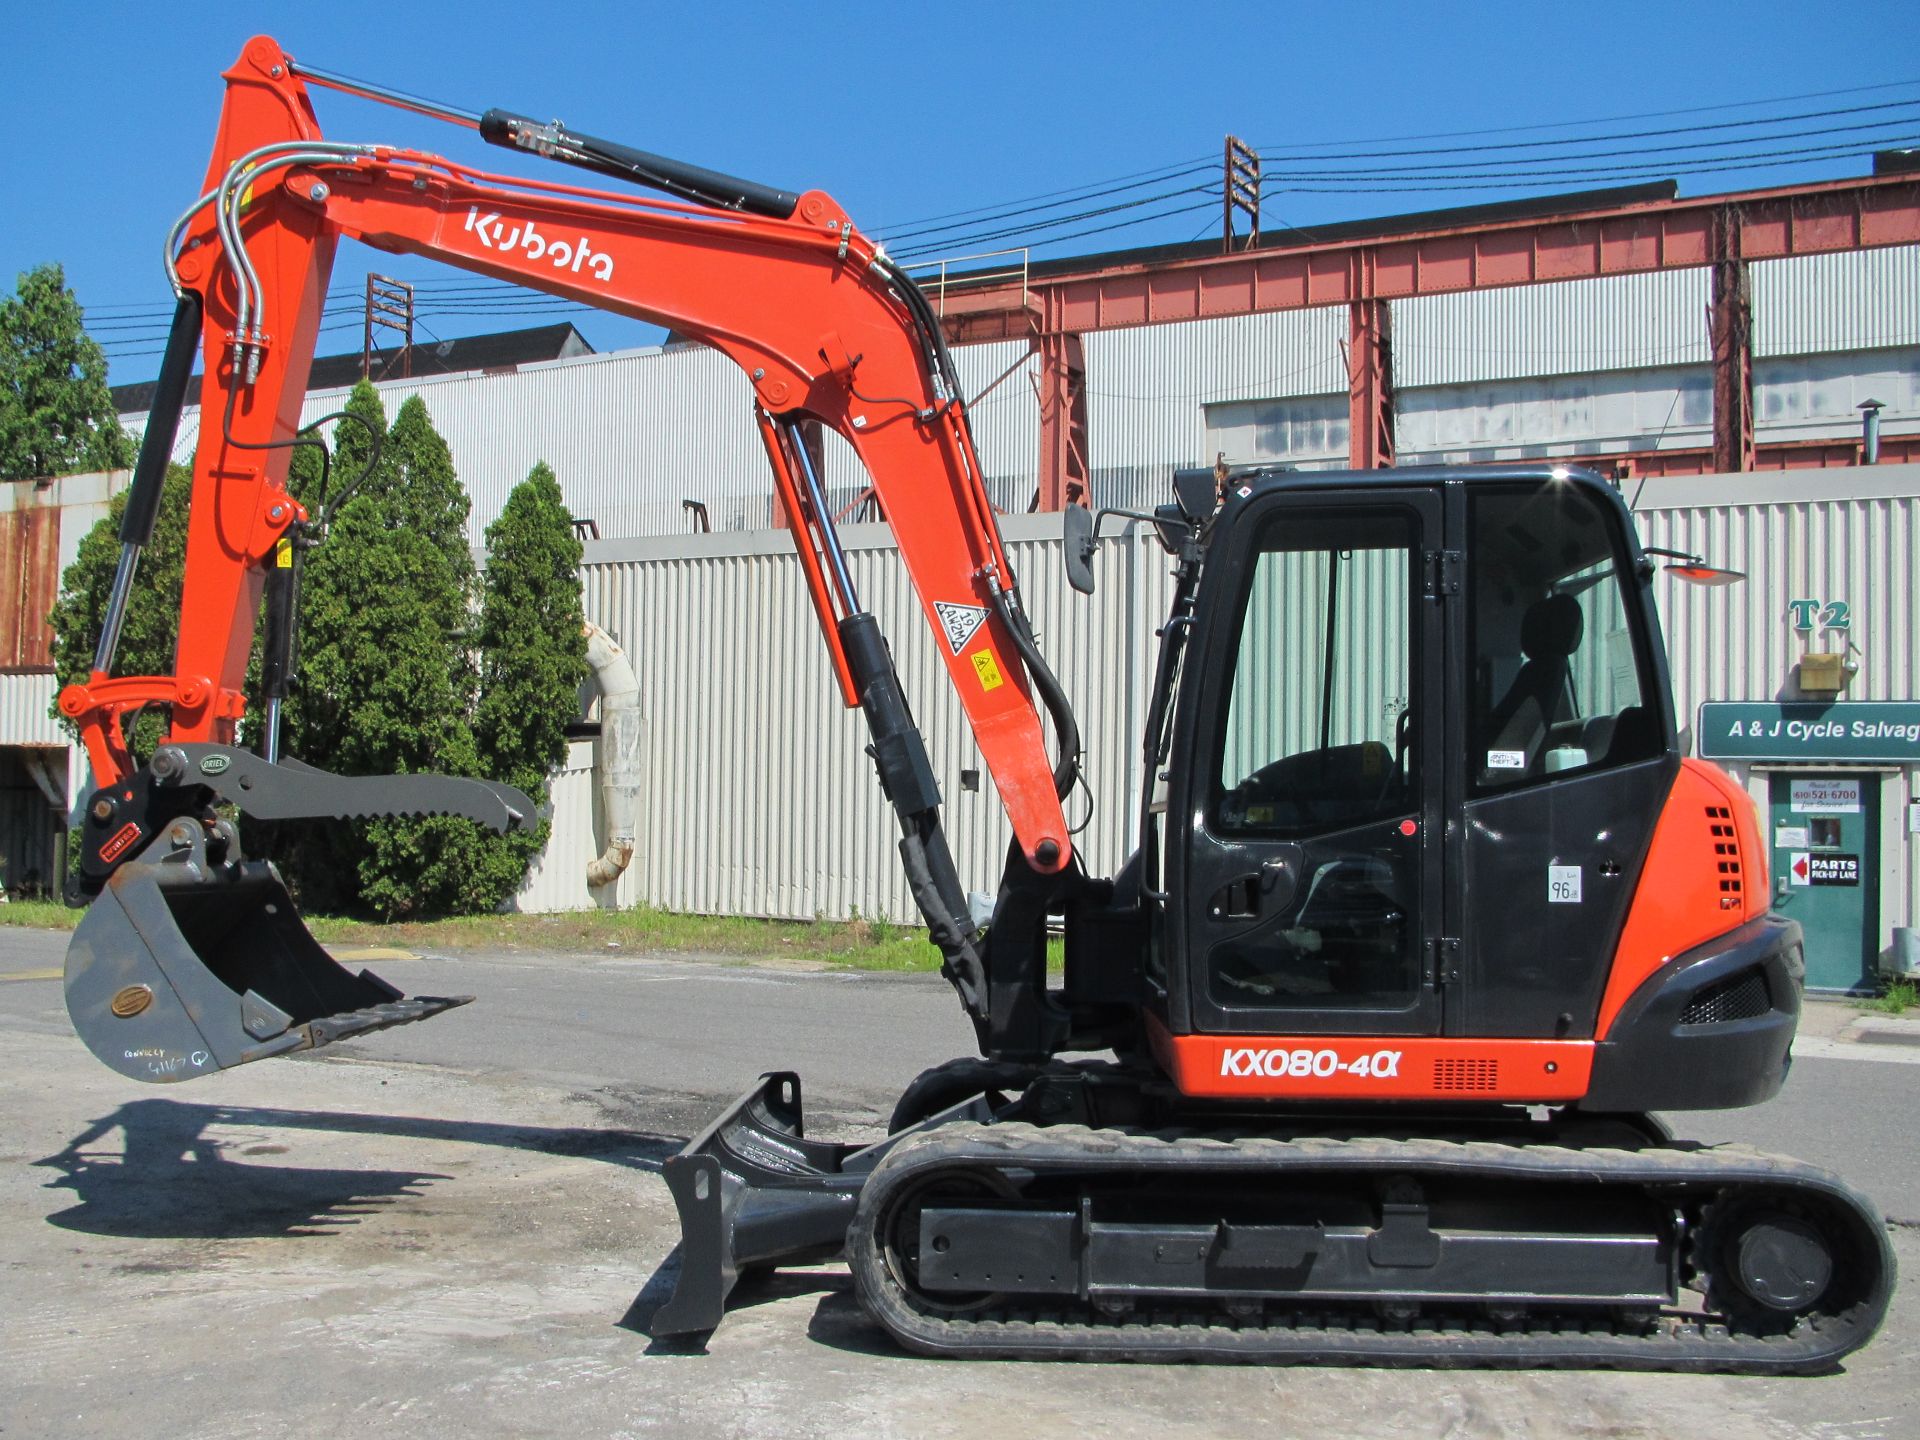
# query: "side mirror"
1077,551
1197,493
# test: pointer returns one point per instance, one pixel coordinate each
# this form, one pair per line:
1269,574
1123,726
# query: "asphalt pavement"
452,1229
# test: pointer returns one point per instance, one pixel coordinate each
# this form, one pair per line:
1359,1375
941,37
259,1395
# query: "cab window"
1559,674
1317,726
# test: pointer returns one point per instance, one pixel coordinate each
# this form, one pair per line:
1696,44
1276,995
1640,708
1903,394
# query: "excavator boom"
828,331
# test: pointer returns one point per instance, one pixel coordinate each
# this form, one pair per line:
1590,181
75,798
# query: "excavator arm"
824,326
827,329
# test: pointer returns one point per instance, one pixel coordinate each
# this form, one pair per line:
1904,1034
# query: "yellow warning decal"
283,554
988,669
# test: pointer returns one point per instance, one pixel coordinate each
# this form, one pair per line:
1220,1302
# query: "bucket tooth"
183,966
261,1018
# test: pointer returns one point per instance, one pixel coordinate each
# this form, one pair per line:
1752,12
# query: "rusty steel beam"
1062,383
1730,336
1369,385
1855,214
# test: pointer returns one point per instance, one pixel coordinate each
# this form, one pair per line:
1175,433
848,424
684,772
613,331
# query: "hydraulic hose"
1066,728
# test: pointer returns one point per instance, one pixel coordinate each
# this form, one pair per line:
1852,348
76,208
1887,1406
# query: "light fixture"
1695,570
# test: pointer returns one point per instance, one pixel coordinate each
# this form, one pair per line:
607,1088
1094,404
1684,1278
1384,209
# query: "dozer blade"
183,966
754,1193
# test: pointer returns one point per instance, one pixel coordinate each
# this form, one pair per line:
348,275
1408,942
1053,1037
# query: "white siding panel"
1854,300
1619,322
558,877
1006,420
1818,396
761,799
1554,415
1737,643
24,704
629,436
1148,389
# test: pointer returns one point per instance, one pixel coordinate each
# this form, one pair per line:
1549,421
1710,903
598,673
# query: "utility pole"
1240,190
390,307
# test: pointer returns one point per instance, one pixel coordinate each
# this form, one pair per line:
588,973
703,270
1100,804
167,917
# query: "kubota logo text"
498,234
1299,1064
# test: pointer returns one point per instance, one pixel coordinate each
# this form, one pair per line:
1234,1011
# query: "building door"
1825,841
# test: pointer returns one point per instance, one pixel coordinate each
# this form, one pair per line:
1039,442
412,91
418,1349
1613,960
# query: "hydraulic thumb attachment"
192,958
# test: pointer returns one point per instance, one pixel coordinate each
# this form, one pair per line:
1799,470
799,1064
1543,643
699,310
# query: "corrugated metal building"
41,525
759,798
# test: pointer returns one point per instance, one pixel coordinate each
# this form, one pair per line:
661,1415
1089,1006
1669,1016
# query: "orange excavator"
1355,1059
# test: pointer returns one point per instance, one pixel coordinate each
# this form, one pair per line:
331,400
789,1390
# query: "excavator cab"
1417,701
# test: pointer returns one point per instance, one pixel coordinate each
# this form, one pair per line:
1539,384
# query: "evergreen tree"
533,658
387,679
386,675
317,714
149,632
56,414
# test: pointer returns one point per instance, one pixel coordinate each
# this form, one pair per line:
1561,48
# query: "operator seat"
1550,632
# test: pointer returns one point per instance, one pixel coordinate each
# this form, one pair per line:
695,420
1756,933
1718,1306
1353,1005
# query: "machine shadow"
174,1180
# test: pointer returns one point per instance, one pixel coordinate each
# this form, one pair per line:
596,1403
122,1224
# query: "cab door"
1305,858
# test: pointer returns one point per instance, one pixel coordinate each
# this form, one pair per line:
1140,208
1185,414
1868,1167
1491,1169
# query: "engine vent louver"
1738,997
1476,1075
1726,857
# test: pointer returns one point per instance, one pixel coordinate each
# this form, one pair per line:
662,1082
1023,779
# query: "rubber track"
1066,1329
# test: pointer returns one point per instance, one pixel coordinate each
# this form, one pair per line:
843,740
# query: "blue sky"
901,111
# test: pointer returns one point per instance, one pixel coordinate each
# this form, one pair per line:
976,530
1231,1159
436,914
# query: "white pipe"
618,758
41,769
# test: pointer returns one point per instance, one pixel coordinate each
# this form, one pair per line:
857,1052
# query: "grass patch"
1899,997
39,915
856,944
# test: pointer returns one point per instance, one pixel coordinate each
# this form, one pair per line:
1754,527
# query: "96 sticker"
1304,1062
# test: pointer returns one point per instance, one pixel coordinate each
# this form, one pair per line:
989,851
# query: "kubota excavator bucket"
186,964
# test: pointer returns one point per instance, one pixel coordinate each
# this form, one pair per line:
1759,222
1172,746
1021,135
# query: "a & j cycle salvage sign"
1882,731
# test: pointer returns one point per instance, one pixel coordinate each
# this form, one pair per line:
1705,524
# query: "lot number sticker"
1563,884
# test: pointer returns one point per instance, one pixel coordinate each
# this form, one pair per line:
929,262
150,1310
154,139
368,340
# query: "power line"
1211,203
988,214
1159,172
1361,185
1185,167
988,236
1678,151
1616,119
1621,135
